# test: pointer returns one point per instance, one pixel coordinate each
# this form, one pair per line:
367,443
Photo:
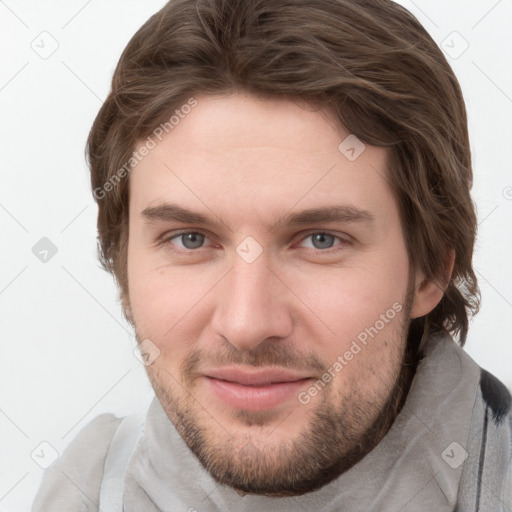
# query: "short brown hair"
370,61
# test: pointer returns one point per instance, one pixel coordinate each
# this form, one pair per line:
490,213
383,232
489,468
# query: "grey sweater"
449,449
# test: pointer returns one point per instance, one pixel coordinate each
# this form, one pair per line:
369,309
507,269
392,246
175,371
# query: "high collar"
410,469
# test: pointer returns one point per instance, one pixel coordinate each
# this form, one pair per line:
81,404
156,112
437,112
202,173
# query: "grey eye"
322,240
191,240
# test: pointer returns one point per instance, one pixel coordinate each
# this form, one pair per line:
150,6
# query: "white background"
66,352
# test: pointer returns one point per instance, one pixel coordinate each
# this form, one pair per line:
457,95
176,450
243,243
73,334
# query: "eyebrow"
331,213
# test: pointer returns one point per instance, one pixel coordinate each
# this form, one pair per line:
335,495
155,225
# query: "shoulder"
486,482
496,396
73,482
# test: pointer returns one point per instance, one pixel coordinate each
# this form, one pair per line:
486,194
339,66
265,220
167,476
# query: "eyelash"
343,242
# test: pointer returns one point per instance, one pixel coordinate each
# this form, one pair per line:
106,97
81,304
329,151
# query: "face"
267,269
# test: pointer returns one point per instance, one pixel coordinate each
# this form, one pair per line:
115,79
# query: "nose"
252,305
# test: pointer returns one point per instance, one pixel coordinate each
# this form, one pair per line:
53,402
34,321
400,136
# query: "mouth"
255,390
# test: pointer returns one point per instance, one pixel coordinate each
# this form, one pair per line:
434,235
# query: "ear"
428,293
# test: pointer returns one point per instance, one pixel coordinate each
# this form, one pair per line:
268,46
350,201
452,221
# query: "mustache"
269,353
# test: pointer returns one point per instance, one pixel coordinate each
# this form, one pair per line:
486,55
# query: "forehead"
258,158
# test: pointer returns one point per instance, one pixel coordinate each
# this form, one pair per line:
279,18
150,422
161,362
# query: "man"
283,192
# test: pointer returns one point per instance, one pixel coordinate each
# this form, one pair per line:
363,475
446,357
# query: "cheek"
159,297
347,301
164,302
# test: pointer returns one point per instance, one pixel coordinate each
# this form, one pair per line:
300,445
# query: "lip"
255,390
255,377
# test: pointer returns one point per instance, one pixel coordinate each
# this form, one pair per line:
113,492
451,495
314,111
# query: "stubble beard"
330,444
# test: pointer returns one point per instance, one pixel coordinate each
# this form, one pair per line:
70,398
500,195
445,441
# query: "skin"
248,162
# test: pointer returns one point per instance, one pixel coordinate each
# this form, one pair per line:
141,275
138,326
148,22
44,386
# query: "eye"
189,240
322,241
